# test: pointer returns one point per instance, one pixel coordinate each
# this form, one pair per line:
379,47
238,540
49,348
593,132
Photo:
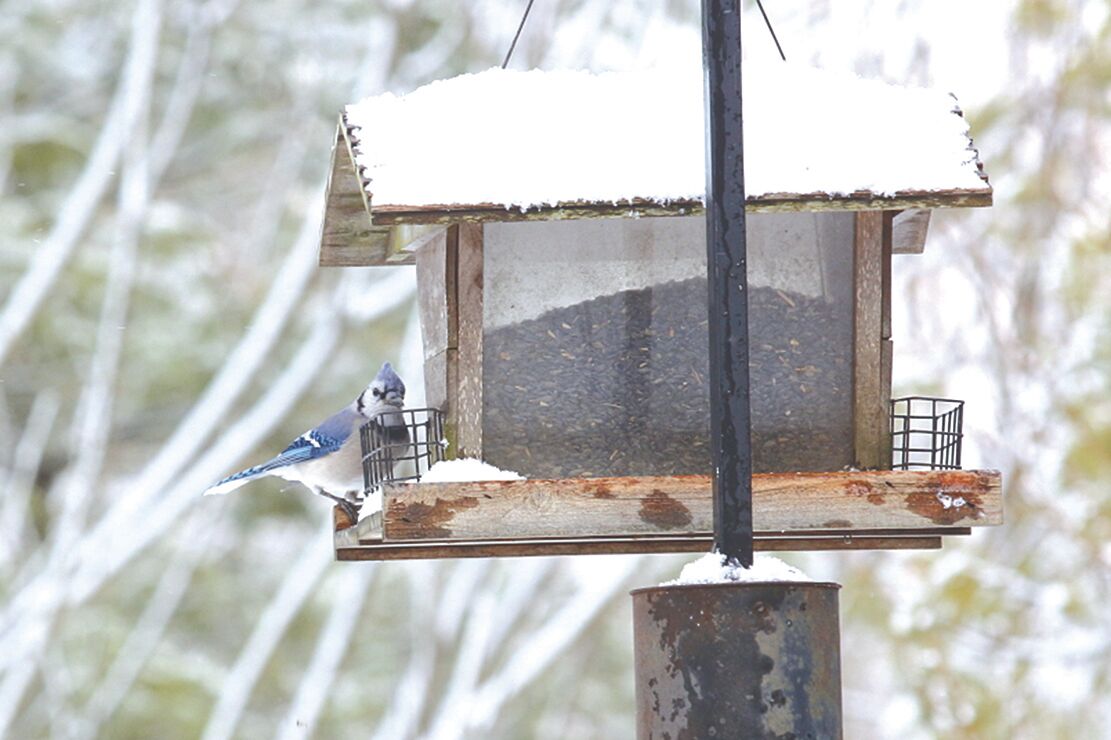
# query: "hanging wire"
760,5
517,35
528,8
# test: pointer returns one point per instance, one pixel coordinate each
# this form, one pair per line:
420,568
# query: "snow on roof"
542,139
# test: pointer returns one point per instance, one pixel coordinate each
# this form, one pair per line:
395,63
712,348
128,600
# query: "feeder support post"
730,426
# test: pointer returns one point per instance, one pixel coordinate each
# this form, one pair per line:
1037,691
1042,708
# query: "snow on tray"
445,471
529,139
371,505
466,470
711,568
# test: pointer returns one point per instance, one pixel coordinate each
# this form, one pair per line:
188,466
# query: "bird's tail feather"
225,486
235,480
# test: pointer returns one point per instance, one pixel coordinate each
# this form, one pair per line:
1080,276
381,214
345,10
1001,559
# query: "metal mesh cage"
926,433
401,449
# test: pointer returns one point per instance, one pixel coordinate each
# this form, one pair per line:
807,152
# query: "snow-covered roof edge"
467,168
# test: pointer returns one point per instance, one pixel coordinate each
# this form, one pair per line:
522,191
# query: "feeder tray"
840,510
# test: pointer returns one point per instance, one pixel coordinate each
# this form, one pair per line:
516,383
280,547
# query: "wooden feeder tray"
844,510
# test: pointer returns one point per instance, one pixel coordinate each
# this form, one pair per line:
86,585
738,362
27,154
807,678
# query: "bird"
327,459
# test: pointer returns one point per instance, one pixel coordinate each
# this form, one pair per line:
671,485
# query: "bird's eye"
376,392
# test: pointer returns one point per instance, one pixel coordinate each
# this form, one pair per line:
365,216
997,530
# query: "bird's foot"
350,510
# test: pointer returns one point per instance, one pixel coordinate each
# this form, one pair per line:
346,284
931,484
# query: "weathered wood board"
358,232
348,239
870,406
469,282
436,295
766,203
909,231
783,503
347,549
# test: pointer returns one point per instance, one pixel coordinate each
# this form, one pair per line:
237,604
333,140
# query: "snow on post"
713,568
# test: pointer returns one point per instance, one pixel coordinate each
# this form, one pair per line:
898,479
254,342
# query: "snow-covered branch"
332,645
224,451
298,585
150,627
123,115
548,642
27,457
406,705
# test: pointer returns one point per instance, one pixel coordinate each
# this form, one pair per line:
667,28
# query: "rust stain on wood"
600,490
843,501
864,488
972,486
951,497
427,519
660,510
494,485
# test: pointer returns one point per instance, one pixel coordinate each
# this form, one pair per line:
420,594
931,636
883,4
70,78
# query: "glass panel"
595,345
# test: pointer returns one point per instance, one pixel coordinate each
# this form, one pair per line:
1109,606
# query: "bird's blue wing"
309,446
323,440
315,443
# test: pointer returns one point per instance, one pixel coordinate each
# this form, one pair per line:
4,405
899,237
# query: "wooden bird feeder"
555,223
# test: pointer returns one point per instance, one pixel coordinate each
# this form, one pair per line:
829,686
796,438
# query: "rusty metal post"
737,660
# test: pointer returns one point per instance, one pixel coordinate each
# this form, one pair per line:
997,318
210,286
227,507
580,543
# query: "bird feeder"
554,221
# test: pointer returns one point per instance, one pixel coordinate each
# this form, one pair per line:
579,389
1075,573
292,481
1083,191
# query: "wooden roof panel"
415,160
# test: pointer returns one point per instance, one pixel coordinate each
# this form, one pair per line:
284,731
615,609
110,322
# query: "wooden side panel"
886,358
436,303
869,407
886,348
910,230
682,505
406,240
887,246
440,383
436,293
470,302
432,299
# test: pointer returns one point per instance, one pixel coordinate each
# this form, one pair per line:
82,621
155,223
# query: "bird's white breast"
338,473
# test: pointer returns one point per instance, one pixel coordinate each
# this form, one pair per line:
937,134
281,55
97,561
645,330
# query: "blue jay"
328,458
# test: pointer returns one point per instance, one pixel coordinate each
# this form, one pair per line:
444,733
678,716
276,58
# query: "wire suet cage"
390,456
926,433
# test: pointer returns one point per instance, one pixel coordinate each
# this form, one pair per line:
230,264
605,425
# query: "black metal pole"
730,430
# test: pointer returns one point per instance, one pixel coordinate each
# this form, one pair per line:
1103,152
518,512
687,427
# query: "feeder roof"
507,145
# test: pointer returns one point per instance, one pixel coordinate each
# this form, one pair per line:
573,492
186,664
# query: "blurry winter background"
163,321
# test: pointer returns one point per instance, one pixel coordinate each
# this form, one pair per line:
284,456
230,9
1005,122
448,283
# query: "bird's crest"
386,391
